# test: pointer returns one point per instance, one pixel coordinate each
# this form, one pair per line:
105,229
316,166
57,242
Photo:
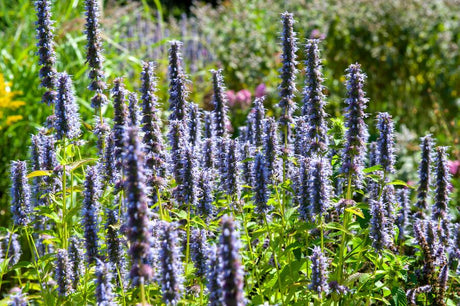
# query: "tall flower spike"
208,125
354,151
20,194
101,129
303,189
176,141
76,260
207,153
115,249
198,248
212,276
231,273
260,184
373,154
378,226
171,278
14,251
300,136
177,83
205,186
320,188
194,125
46,51
63,273
246,154
219,100
119,120
256,118
319,275
94,56
189,176
110,175
441,199
67,122
270,148
138,224
288,72
424,172
89,213
104,287
403,214
314,102
231,177
386,143
388,202
133,109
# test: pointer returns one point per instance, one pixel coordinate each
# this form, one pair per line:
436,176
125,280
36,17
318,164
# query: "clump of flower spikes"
94,56
47,55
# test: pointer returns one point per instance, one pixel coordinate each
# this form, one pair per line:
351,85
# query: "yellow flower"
12,119
7,102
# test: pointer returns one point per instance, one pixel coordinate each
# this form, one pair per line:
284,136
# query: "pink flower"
260,90
231,97
454,166
243,97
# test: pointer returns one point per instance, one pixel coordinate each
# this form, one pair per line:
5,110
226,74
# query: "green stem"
143,301
6,255
342,249
35,256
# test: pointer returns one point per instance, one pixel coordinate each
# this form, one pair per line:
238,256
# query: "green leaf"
372,169
39,173
80,163
400,183
355,211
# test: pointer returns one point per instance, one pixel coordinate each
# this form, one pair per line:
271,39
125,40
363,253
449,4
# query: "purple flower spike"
443,176
385,143
319,275
20,194
424,172
220,103
67,122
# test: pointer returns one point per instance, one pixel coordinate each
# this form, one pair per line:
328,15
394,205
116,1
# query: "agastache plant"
63,274
20,194
287,88
303,189
378,226
194,125
198,248
385,143
271,149
230,180
230,269
46,53
424,172
212,275
171,278
354,151
319,276
260,185
441,199
90,214
67,122
138,214
119,121
320,187
177,83
205,187
314,102
75,254
115,250
255,122
94,56
219,100
188,176
104,286
133,109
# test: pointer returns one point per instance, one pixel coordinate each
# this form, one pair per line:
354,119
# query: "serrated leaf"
39,173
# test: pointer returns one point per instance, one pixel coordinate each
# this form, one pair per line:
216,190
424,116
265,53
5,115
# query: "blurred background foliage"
409,50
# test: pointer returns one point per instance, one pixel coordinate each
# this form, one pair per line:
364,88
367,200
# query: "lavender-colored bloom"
300,136
231,177
212,276
378,226
412,293
270,148
443,176
188,177
63,273
90,214
177,83
354,151
424,171
198,248
176,141
67,122
320,188
138,224
11,250
246,153
170,266
219,100
303,189
207,153
101,129
373,154
17,298
386,143
104,287
230,270
75,260
205,186
109,171
194,125
403,214
133,109
319,274
260,184
288,72
314,102
20,194
119,120
442,285
94,56
388,202
208,125
114,244
256,119
46,51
